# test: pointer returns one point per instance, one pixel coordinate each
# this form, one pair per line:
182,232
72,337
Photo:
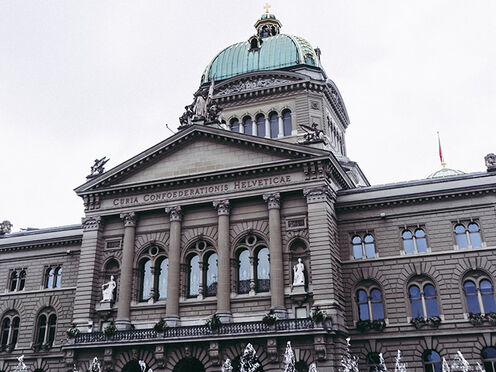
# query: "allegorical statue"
202,107
108,290
313,134
98,167
299,276
490,162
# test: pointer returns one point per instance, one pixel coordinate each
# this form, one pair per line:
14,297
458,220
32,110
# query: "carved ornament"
129,219
222,207
175,213
490,160
91,223
319,194
273,200
252,84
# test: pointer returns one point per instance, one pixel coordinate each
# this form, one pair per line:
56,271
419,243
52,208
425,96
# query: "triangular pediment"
199,150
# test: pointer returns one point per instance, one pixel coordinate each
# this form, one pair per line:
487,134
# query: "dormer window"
255,43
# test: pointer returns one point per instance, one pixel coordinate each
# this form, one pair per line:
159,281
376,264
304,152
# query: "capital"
175,213
92,223
129,219
222,207
272,200
319,194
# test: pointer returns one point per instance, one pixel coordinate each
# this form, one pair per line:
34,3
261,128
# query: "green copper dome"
274,52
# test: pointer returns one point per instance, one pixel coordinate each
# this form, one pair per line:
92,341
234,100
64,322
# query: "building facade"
253,210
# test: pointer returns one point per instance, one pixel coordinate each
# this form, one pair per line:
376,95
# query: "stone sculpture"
202,108
98,167
299,276
490,160
108,290
313,134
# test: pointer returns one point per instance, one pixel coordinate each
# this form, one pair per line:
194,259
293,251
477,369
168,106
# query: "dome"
445,172
267,50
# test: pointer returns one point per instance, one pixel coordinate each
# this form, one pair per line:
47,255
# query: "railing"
196,331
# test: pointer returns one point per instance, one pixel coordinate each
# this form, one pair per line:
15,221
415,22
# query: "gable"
201,156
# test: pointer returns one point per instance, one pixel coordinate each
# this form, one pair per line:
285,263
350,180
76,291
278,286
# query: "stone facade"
211,221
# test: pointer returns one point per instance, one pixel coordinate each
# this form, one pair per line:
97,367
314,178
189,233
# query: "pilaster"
87,294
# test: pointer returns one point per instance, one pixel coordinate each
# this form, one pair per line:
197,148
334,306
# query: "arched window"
432,361
274,124
286,122
10,331
263,270
211,274
469,236
374,362
234,125
194,275
49,277
260,125
248,125
146,279
244,271
423,303
57,278
370,305
414,242
46,326
309,60
479,295
53,277
162,273
489,359
363,248
17,280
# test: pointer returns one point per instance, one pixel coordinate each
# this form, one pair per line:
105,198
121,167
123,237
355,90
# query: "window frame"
20,280
368,288
467,234
476,278
52,276
362,236
156,254
421,284
434,366
253,243
12,331
414,238
49,328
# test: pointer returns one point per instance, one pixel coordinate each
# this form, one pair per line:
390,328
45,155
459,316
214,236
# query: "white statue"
108,290
299,276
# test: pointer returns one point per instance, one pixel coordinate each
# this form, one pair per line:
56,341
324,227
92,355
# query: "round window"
251,239
153,251
201,245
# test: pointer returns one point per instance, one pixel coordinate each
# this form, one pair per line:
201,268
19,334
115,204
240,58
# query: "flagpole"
441,158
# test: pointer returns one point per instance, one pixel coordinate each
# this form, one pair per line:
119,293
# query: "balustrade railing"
248,328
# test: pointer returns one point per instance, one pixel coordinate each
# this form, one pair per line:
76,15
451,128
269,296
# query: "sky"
80,80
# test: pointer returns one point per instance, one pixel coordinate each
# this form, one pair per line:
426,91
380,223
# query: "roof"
445,172
276,52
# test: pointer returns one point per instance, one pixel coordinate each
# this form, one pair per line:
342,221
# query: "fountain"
398,366
349,362
479,368
289,359
95,366
445,366
142,365
227,367
312,368
248,362
21,367
460,363
382,364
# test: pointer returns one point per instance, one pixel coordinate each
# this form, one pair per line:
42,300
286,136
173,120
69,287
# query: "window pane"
49,279
362,296
357,251
429,290
261,126
473,227
432,356
15,330
406,235
248,124
421,245
235,125
58,277
244,272
162,279
13,281
408,246
489,353
378,311
475,239
368,239
470,288
356,240
363,310
287,125
473,304
211,277
5,331
194,276
460,229
419,233
370,250
146,280
263,270
41,329
486,289
274,125
416,302
461,241
22,280
432,308
51,330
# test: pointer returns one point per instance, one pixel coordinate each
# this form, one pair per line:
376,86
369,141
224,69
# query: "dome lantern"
268,24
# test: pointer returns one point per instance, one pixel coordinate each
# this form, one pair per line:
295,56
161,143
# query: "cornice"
54,243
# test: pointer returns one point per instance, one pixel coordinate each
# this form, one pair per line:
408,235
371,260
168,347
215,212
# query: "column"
255,127
241,126
123,321
172,307
87,293
275,248
223,262
281,126
267,127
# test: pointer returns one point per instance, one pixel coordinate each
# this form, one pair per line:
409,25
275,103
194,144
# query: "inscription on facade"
199,191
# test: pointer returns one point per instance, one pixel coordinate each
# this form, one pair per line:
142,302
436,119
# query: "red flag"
440,151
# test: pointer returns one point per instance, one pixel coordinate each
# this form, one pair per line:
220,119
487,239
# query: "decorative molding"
129,219
296,223
252,83
91,202
273,200
319,194
175,213
222,206
92,223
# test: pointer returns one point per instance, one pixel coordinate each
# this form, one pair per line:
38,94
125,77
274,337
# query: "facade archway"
189,365
133,366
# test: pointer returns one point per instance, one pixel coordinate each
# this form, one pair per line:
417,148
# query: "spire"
268,24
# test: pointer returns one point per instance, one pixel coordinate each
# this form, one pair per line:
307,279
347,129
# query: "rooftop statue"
313,134
98,167
5,227
202,108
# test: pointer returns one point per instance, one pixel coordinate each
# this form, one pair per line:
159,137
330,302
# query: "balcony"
191,333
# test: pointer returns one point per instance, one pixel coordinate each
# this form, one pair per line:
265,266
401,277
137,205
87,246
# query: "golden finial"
267,7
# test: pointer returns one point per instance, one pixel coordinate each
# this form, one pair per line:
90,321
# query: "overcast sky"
81,80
